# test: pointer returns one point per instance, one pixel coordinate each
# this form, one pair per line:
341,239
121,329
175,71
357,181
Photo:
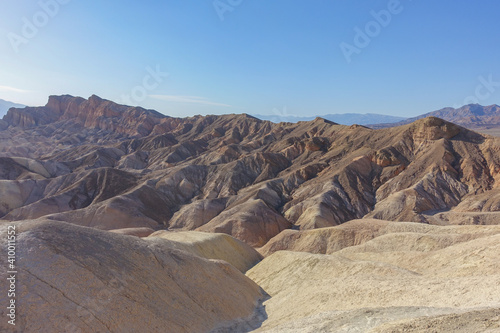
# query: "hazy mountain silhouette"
6,105
341,118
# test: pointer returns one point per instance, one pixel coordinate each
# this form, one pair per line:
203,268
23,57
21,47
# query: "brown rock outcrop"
92,113
252,222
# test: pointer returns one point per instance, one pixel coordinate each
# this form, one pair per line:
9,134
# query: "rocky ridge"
236,174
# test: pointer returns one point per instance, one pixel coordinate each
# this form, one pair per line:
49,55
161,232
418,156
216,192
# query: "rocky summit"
337,228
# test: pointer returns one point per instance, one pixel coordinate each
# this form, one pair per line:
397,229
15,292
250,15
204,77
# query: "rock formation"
96,163
213,246
358,232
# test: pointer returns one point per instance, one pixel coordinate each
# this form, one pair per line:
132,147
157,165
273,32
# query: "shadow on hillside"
249,324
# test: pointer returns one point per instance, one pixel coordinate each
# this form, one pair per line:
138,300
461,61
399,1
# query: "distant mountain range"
485,119
6,105
472,116
341,118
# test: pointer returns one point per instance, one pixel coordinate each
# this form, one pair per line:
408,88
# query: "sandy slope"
212,246
408,279
365,276
78,279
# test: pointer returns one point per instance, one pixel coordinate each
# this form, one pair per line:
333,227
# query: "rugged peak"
60,98
240,116
319,120
95,98
356,126
247,116
433,128
431,121
94,112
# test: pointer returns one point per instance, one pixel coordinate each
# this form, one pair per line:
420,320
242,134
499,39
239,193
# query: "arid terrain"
483,119
128,220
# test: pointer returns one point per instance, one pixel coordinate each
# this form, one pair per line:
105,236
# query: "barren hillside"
95,163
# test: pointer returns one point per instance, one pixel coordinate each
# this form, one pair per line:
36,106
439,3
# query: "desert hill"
406,277
95,163
76,279
372,276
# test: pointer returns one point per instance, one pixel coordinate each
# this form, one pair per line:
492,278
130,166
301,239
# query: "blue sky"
254,56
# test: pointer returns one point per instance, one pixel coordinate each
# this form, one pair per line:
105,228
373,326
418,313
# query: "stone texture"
409,278
253,222
358,232
213,246
138,232
77,279
96,163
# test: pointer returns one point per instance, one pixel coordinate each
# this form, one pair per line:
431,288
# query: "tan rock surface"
358,232
213,246
395,320
138,232
487,320
76,279
450,271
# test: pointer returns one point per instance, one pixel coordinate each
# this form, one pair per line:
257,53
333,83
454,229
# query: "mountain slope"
4,107
74,279
95,163
381,276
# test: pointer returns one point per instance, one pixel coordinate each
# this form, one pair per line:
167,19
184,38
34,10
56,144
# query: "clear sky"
307,57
